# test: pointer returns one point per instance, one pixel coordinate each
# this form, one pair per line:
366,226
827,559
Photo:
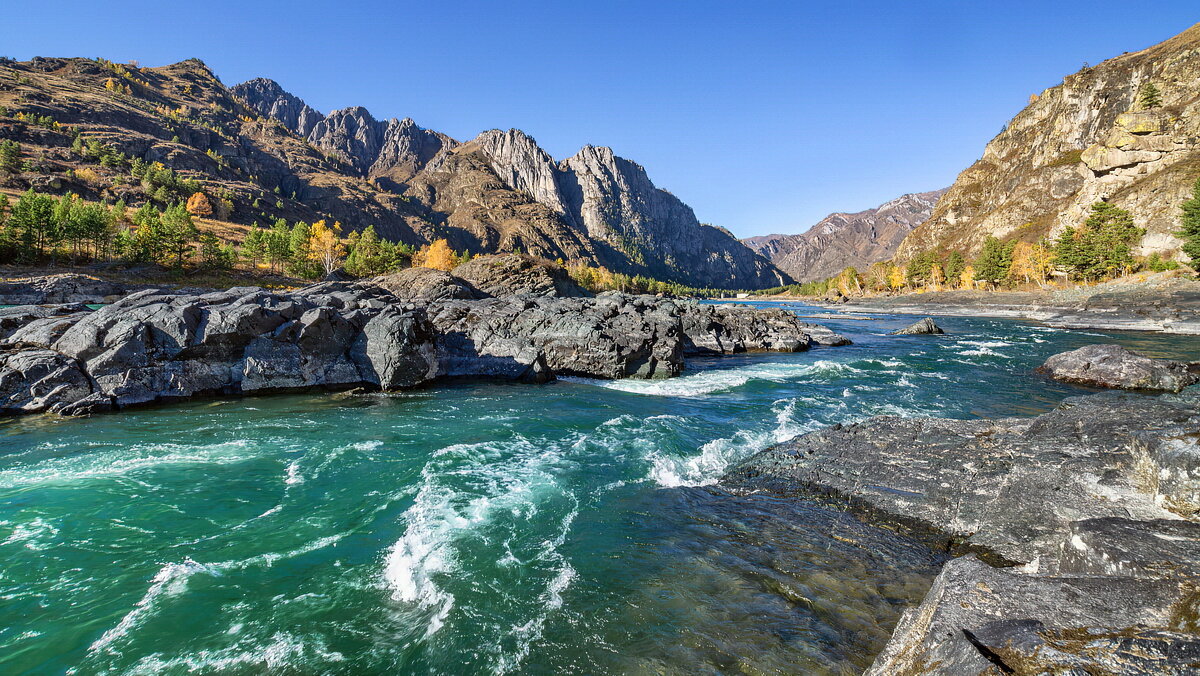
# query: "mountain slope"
266,154
840,239
1085,140
594,206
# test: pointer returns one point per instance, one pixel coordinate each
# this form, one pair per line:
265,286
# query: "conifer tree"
1190,233
1149,96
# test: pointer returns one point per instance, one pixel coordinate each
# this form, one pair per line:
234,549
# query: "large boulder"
919,328
1096,501
728,329
519,274
40,380
65,288
1116,367
420,283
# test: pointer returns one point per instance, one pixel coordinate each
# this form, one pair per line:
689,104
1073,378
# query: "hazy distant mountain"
842,239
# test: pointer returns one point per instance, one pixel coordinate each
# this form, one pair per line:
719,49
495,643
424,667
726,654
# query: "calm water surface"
484,528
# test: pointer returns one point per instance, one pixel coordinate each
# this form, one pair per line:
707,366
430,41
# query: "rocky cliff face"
503,192
1085,140
270,100
842,239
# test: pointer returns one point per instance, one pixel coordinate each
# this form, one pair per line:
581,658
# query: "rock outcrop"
154,346
919,328
1116,367
270,100
517,274
1068,496
841,239
1088,139
418,283
57,289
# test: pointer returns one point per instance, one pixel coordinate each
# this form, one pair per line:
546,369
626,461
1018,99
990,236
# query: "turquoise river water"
484,528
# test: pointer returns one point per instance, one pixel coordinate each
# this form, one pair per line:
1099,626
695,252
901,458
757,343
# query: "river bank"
1165,302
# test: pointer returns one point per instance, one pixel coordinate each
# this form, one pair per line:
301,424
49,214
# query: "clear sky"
764,116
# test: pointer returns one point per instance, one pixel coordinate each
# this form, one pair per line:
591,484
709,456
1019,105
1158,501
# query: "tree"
955,264
994,261
324,246
279,244
966,280
300,263
919,268
10,157
255,246
369,255
896,277
1149,96
1102,246
438,255
178,234
936,276
198,205
1190,234
32,224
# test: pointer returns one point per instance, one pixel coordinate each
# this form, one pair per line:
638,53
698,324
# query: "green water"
574,527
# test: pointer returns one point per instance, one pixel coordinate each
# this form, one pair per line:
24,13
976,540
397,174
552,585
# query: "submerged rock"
922,327
1116,367
153,346
1096,501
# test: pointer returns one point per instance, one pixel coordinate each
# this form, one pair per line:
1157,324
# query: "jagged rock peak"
270,100
353,133
521,163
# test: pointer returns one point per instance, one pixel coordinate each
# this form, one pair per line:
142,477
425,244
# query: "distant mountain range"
840,239
271,155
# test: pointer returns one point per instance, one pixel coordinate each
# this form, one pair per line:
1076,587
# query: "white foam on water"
122,461
293,474
717,456
34,535
284,652
719,380
171,580
505,477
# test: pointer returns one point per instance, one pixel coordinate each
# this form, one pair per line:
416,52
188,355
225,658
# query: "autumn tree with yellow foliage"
198,205
325,247
437,255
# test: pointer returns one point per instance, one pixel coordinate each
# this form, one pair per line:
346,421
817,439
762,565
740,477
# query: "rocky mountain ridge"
600,196
847,239
270,155
1085,140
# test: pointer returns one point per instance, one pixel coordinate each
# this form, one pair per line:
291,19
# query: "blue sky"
764,116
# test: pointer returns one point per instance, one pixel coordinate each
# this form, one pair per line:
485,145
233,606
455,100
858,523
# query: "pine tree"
1149,96
955,263
1190,233
178,234
10,157
994,261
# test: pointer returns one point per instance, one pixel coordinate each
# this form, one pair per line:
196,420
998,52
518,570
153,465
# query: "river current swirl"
487,528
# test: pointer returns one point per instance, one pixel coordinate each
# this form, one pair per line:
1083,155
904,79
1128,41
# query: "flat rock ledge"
156,346
1078,528
1116,367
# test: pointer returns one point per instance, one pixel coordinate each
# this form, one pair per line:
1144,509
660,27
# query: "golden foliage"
967,278
437,255
324,245
198,205
896,277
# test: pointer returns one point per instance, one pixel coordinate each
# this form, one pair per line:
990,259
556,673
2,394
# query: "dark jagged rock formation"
1117,367
57,289
729,329
842,240
154,346
270,100
1068,495
516,274
426,284
919,328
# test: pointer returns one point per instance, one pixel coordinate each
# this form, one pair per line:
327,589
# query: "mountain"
601,208
270,155
840,240
1082,141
